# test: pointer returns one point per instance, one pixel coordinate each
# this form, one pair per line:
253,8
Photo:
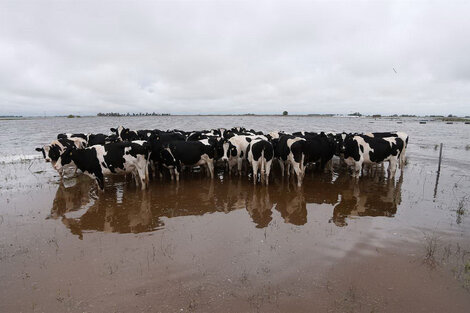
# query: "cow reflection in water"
367,197
259,206
71,198
292,206
124,209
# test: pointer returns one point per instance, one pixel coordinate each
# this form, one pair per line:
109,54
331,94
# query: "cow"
157,142
361,149
144,134
289,150
101,139
114,158
52,152
234,150
319,149
403,136
70,136
260,154
176,154
125,134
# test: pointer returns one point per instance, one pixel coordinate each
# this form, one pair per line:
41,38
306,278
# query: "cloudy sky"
83,57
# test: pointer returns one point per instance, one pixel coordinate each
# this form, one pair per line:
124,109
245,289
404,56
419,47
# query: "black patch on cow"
319,148
362,148
86,160
96,139
190,152
351,148
262,147
248,139
382,148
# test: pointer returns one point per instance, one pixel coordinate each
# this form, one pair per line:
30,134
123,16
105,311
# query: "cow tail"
263,162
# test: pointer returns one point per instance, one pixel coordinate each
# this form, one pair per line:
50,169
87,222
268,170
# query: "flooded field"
333,245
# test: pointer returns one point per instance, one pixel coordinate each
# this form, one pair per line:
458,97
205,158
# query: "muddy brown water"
333,245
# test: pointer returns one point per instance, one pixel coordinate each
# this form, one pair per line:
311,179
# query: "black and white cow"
158,140
70,136
176,154
52,152
234,150
114,158
260,154
101,139
403,136
125,134
319,149
361,149
289,150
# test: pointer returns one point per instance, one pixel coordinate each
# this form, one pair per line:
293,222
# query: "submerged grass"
461,210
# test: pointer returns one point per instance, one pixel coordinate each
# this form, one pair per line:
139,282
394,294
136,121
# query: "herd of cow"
143,151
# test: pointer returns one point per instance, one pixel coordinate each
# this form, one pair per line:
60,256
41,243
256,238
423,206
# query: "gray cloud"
234,57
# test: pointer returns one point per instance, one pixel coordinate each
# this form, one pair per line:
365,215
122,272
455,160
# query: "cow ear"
113,130
39,149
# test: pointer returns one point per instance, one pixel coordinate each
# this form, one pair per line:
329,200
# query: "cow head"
51,152
43,152
119,131
167,157
229,150
64,159
340,140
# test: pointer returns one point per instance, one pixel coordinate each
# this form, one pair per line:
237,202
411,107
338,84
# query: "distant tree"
376,115
450,115
355,114
285,113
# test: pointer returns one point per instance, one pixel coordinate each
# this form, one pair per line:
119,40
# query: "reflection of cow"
367,197
259,205
292,206
73,198
123,209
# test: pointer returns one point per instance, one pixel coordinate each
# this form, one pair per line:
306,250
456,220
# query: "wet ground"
333,245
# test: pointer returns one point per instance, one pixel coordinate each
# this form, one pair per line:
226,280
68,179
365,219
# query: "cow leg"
153,168
160,169
177,173
330,165
172,173
392,167
210,166
402,159
357,168
147,176
298,171
239,165
142,175
268,170
255,172
100,181
281,164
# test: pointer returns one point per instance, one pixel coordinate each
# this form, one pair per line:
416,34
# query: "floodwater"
334,245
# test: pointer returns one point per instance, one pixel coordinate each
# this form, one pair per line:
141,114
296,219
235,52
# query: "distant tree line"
132,114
